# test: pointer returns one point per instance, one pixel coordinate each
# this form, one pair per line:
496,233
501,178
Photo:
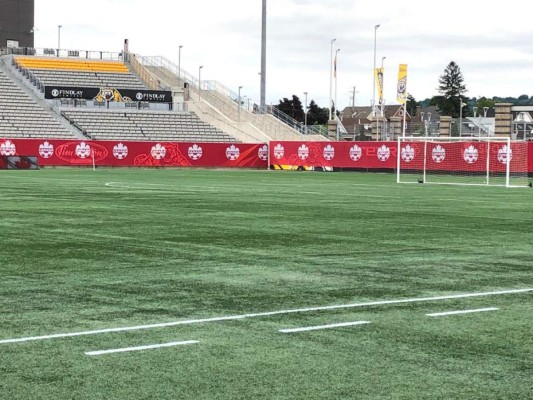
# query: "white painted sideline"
442,314
139,348
330,326
265,314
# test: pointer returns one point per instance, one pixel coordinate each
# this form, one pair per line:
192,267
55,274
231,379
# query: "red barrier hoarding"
356,155
366,155
137,154
530,158
468,156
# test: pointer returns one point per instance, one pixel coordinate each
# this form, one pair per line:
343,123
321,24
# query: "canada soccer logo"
8,148
233,152
262,153
120,151
383,153
438,154
355,152
504,154
46,150
408,153
195,152
83,150
158,151
470,154
279,151
303,152
329,152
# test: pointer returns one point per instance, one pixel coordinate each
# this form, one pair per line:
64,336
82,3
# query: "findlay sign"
107,93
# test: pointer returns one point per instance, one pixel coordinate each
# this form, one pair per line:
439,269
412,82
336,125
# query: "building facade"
17,23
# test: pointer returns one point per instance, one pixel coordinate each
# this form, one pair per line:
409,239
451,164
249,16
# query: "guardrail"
230,95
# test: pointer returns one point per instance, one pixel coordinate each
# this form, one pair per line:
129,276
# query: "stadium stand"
85,73
143,125
22,116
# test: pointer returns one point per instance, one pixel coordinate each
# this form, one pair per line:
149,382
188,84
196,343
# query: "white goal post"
462,161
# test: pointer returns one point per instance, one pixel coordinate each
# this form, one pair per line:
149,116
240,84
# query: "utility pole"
354,91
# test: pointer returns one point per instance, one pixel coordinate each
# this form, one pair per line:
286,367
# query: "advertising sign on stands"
107,93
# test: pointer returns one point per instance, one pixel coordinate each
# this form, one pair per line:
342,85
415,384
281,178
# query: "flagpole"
404,116
335,74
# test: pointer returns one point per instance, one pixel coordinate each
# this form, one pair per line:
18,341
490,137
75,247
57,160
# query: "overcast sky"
493,46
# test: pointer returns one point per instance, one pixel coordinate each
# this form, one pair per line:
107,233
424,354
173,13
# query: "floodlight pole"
179,62
336,106
461,105
374,80
330,75
59,38
239,104
262,102
200,82
485,109
305,113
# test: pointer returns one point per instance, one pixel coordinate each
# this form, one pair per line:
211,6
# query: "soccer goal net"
465,160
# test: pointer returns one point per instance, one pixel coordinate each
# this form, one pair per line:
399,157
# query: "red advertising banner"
137,154
283,154
367,155
469,156
463,156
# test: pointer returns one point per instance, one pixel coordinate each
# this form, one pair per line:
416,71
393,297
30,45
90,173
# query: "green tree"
294,108
451,89
411,105
483,102
317,115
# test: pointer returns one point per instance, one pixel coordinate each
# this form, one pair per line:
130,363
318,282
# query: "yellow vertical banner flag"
378,75
401,91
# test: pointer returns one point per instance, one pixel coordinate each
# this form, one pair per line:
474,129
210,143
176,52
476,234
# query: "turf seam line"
264,314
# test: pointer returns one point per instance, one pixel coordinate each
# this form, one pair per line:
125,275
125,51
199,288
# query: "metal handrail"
220,93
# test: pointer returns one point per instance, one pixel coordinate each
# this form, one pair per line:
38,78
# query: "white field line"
266,314
330,326
442,314
139,348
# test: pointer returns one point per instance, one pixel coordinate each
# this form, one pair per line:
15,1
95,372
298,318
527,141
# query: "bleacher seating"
144,125
21,116
49,71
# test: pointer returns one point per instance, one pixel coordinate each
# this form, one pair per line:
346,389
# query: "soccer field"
239,284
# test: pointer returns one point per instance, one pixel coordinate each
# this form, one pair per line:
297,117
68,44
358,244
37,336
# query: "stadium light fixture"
59,38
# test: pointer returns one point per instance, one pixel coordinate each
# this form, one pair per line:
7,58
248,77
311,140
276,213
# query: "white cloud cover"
493,46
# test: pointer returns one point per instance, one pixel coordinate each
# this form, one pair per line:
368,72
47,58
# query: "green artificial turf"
83,250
